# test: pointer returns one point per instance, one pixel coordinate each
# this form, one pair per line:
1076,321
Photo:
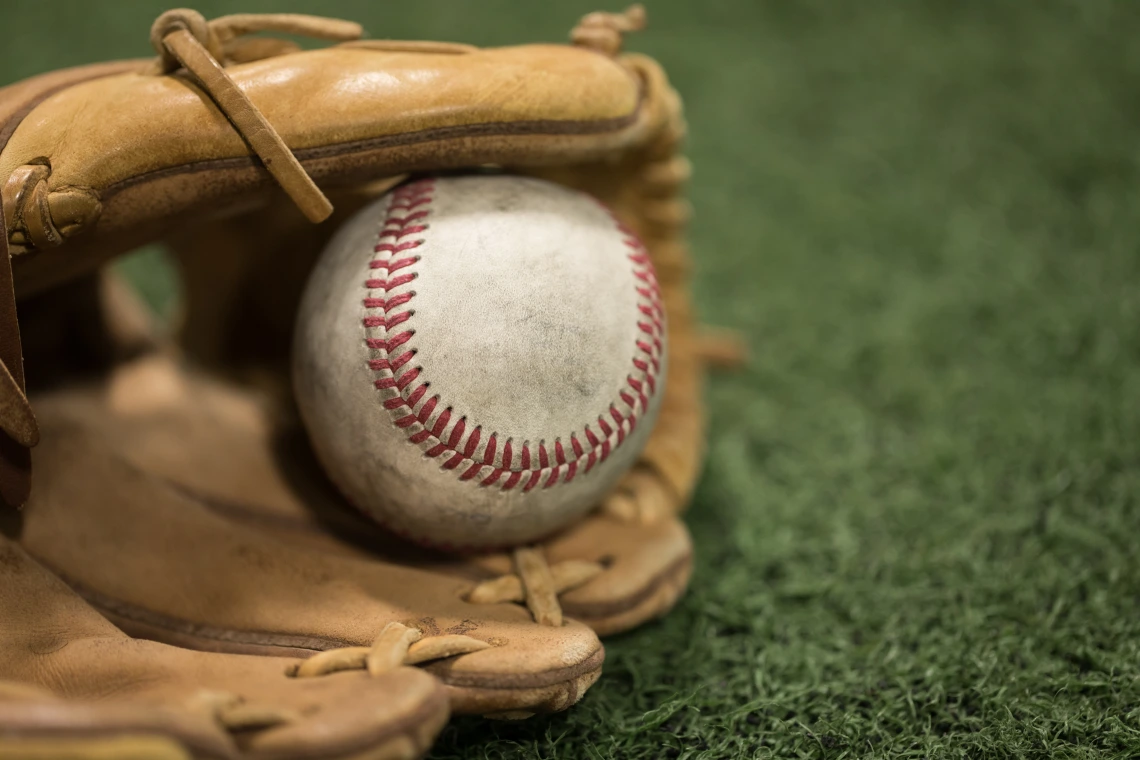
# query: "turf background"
916,527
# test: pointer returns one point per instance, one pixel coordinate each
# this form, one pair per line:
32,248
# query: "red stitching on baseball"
472,443
440,424
402,221
489,451
382,303
535,475
403,380
410,204
456,434
407,215
417,394
395,266
425,411
393,248
398,340
411,229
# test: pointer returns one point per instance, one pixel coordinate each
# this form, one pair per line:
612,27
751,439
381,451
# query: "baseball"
478,359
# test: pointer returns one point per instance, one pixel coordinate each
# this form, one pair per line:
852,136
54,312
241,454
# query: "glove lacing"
397,645
184,39
537,584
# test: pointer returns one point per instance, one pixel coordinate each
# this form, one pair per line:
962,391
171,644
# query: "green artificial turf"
916,528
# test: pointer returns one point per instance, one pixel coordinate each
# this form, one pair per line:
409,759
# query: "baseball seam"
428,423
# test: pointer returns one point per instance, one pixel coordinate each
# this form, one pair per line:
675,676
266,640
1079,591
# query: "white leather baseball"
478,359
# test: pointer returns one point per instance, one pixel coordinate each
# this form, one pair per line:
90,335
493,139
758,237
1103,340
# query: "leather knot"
179,19
26,205
604,32
41,216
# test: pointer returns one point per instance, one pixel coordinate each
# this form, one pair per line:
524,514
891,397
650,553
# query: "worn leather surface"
82,678
246,459
317,98
193,578
350,115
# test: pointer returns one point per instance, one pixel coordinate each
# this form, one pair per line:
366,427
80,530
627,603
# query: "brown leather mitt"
162,563
74,686
236,150
630,560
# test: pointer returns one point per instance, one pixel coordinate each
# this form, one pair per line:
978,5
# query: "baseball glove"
243,153
74,686
629,561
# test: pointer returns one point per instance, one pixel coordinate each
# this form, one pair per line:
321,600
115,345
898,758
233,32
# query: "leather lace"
537,584
234,713
17,422
397,645
605,32
185,40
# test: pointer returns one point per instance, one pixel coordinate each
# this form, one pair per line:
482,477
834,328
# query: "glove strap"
184,39
18,429
605,32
